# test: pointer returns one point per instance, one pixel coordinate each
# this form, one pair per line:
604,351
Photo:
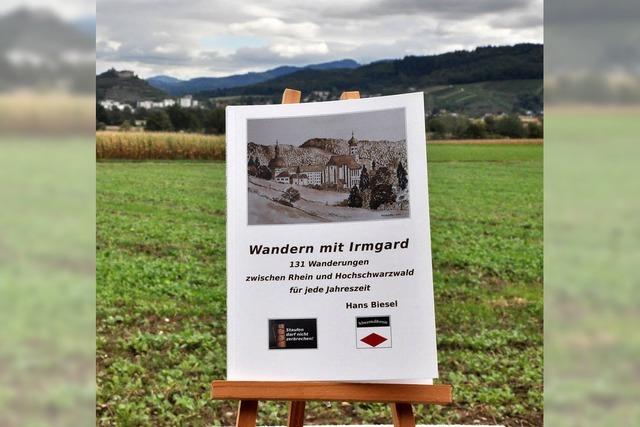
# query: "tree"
181,119
401,173
355,199
158,120
381,194
214,121
364,179
125,126
115,116
257,162
127,115
490,124
535,130
102,115
437,126
475,131
140,113
510,126
381,188
251,162
264,173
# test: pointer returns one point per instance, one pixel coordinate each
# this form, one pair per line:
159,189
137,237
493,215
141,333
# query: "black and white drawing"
333,168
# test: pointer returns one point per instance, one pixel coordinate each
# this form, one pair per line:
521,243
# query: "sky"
193,38
66,9
380,125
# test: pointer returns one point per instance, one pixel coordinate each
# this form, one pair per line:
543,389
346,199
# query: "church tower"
353,147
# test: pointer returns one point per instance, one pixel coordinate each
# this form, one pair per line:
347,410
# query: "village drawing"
315,175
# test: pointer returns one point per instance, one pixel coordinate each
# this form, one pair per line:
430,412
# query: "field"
161,291
158,146
115,145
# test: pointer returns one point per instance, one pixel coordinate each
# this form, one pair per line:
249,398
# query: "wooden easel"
399,396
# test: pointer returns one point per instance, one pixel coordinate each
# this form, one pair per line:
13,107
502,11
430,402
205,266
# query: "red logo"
373,339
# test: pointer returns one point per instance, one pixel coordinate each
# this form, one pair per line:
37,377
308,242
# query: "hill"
179,87
487,79
476,99
124,87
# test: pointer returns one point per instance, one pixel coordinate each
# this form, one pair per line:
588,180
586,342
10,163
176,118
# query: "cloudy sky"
191,38
68,9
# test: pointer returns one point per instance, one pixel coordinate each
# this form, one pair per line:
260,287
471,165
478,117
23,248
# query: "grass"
161,292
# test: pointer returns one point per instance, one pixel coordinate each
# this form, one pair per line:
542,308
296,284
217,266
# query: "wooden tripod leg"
403,415
296,413
247,413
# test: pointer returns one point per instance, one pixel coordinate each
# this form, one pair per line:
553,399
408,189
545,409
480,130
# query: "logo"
373,332
292,333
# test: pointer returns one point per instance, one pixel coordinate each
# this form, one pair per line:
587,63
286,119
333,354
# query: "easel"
399,396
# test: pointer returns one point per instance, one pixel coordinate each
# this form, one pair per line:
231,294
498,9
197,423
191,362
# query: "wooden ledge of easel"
293,96
332,391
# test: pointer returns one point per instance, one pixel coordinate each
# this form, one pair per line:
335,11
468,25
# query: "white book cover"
328,244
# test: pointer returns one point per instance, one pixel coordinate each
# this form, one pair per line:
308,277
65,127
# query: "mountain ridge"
177,87
491,63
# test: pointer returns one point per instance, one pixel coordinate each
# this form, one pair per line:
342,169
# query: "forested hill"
115,85
484,64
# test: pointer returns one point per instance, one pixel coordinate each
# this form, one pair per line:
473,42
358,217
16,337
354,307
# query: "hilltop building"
125,74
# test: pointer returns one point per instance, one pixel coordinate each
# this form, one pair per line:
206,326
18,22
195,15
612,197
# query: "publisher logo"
292,334
373,332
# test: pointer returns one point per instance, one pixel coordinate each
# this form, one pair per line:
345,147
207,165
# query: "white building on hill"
110,103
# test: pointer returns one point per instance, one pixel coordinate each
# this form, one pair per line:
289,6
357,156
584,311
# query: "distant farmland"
112,145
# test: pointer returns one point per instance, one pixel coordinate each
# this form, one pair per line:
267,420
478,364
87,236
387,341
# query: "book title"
335,247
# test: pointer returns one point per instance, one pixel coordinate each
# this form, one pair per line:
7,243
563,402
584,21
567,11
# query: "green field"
161,291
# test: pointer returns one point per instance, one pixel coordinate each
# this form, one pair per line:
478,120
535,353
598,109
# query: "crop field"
161,292
114,145
158,146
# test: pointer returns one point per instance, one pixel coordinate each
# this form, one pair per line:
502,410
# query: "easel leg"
296,413
403,415
247,413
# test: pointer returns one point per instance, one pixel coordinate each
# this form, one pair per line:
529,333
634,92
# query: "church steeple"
353,146
277,149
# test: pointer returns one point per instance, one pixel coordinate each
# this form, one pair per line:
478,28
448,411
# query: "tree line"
212,121
169,119
451,126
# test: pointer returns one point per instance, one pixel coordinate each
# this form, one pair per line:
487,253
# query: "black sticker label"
373,322
292,333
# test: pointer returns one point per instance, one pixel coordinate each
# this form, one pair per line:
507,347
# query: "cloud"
204,37
277,27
